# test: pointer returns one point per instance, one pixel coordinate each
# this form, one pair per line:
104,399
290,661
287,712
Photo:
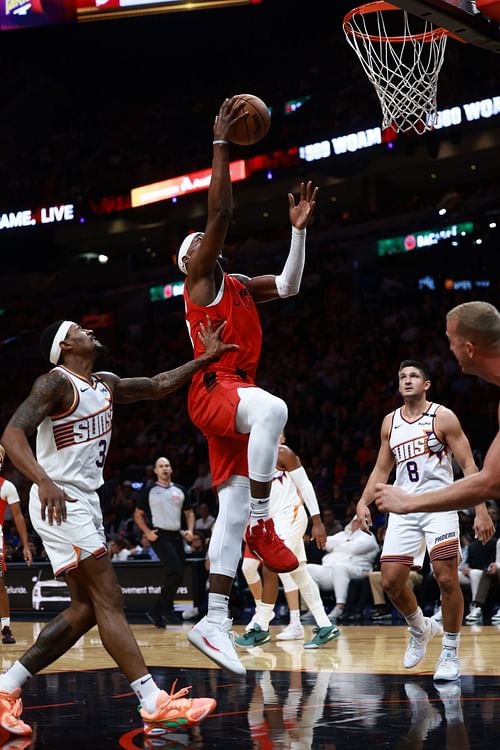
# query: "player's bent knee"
250,570
276,411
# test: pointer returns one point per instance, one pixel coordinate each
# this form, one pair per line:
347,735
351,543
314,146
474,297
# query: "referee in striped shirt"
159,516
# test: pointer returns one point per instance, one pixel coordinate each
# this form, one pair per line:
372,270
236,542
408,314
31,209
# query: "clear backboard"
462,17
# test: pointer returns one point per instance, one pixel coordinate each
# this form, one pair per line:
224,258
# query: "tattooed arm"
127,390
51,393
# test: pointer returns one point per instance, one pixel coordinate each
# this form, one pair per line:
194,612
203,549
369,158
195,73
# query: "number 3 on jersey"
103,449
411,468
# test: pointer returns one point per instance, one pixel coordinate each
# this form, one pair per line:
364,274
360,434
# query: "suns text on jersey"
84,429
410,449
93,427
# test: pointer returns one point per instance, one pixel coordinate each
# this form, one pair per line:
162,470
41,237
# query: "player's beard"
101,349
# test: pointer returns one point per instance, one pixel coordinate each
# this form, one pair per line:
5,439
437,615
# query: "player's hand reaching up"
300,213
229,114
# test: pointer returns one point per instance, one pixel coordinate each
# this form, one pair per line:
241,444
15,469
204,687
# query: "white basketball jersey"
422,461
284,498
72,447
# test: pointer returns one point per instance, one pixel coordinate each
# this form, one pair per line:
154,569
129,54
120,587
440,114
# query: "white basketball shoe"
417,645
217,642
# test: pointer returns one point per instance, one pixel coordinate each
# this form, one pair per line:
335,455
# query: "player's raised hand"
300,213
230,113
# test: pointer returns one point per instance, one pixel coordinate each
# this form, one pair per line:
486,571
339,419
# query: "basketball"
254,127
434,444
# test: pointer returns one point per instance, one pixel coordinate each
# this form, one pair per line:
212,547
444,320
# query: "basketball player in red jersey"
242,423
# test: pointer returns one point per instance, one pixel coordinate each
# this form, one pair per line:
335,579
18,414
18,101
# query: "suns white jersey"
422,461
72,447
284,498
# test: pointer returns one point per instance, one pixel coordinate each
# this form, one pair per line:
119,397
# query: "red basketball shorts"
212,408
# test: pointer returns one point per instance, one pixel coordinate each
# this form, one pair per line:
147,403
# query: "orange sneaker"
11,708
174,711
264,542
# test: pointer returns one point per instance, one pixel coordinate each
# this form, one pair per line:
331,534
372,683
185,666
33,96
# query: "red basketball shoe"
175,711
264,542
11,708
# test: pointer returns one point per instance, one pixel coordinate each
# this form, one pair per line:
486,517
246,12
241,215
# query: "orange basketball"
254,127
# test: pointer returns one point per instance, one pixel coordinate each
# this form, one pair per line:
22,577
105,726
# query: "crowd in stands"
101,145
332,352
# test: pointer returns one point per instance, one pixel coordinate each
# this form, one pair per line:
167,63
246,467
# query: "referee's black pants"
170,549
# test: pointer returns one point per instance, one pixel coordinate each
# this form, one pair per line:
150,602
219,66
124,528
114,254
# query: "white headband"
61,333
185,245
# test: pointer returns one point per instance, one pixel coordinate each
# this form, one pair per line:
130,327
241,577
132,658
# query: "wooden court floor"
350,694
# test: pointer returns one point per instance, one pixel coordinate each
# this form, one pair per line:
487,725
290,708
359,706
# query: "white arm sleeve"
304,486
9,493
288,282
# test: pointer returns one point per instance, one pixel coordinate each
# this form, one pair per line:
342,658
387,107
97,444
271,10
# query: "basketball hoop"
403,63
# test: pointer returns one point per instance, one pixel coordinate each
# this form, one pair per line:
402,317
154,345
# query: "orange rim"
381,5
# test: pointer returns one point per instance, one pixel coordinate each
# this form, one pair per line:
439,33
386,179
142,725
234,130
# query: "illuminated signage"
426,238
29,218
483,109
428,283
161,293
175,187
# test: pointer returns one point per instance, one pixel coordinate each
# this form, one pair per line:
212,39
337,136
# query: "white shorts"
79,537
3,564
291,527
408,537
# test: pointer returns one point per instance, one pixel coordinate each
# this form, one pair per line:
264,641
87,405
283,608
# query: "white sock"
15,677
295,617
5,622
146,690
265,615
218,607
450,644
416,620
259,509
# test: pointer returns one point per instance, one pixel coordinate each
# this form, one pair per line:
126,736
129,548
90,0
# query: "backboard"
462,17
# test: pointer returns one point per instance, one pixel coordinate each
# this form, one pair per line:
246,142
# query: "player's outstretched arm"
448,424
127,390
471,490
287,283
220,195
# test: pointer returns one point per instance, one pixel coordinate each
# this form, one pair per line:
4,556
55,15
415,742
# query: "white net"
403,63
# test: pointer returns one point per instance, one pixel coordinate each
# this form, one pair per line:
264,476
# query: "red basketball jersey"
243,327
